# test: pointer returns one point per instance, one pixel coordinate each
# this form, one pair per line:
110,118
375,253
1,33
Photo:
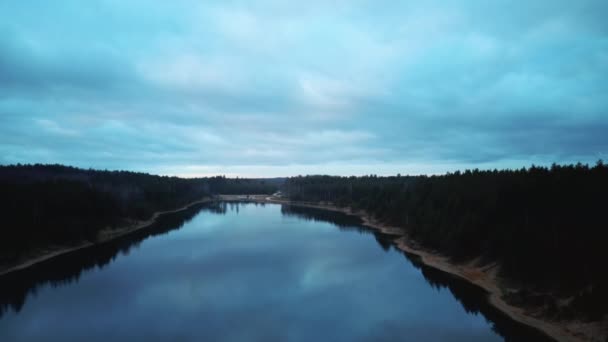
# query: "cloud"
270,87
53,128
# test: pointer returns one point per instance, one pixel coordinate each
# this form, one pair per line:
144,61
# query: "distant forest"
546,227
45,205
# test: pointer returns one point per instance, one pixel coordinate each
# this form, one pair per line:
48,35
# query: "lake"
247,272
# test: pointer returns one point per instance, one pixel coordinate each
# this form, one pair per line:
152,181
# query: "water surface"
247,272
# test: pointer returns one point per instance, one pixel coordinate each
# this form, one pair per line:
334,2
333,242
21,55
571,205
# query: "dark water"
230,272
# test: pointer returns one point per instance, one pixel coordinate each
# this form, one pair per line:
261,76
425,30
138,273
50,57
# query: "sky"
280,88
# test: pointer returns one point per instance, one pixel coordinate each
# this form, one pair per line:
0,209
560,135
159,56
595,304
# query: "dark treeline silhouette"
546,227
44,205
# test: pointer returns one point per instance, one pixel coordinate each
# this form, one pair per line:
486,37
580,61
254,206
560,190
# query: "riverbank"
483,276
104,236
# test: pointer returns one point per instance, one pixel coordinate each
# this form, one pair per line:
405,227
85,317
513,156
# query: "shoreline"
106,235
483,277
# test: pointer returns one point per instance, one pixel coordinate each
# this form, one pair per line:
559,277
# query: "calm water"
230,272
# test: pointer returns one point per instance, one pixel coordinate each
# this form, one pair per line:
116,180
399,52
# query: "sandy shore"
484,277
104,236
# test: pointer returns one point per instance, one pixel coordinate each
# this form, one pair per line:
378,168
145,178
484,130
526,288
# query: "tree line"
45,205
546,226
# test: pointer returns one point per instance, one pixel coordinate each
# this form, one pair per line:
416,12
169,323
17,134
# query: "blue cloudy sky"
269,88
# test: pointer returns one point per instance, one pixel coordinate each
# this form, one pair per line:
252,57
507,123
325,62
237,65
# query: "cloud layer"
274,88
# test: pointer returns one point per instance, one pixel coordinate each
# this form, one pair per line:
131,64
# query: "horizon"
528,167
268,89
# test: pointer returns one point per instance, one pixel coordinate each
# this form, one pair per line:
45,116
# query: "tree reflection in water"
15,287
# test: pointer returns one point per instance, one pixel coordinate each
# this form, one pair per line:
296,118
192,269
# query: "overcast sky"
271,88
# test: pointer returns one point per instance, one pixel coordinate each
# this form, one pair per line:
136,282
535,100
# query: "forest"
545,226
46,205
